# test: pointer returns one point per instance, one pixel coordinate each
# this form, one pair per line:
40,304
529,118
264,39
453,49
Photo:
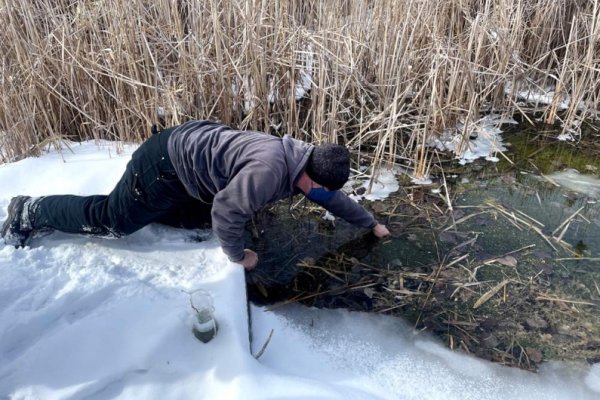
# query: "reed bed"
381,76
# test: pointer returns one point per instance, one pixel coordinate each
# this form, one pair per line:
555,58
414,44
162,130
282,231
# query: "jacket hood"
297,153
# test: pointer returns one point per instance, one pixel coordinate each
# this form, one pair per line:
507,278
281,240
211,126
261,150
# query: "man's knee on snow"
121,227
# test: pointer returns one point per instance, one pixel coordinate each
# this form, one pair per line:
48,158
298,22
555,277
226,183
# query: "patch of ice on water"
578,182
563,137
482,139
384,183
421,181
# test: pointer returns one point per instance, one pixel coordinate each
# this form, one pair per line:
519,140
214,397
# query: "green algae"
538,148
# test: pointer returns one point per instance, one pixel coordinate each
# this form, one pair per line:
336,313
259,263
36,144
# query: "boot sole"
9,230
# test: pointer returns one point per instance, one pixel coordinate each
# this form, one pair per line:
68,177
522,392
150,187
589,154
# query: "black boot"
18,226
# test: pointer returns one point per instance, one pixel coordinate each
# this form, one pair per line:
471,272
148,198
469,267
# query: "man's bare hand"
381,231
250,259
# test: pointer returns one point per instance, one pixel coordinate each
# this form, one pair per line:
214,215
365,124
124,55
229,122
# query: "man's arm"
247,192
344,207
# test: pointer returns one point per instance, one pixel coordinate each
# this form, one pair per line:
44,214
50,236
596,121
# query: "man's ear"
304,183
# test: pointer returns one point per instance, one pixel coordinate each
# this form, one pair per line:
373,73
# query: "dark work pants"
149,191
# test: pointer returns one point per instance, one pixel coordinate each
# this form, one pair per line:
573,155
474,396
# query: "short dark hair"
329,165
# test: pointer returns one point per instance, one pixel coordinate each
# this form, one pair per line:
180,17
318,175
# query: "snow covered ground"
89,318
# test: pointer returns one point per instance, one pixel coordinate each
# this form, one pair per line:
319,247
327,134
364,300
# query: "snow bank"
84,319
382,357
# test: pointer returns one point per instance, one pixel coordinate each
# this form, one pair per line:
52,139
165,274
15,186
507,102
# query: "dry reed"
380,76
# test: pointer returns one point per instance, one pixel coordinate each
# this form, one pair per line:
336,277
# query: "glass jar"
205,325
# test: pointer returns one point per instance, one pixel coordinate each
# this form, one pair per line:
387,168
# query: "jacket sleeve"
344,207
251,189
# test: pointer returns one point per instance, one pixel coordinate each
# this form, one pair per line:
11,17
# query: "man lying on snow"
196,174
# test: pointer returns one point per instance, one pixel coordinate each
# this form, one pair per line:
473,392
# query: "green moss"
549,154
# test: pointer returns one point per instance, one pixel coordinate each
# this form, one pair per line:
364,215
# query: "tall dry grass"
383,74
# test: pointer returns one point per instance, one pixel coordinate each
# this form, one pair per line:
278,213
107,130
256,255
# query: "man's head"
329,165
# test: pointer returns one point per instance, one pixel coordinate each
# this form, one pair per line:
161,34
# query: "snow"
305,68
302,86
528,92
534,94
91,318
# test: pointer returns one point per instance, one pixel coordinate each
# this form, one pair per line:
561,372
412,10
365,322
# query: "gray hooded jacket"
240,172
